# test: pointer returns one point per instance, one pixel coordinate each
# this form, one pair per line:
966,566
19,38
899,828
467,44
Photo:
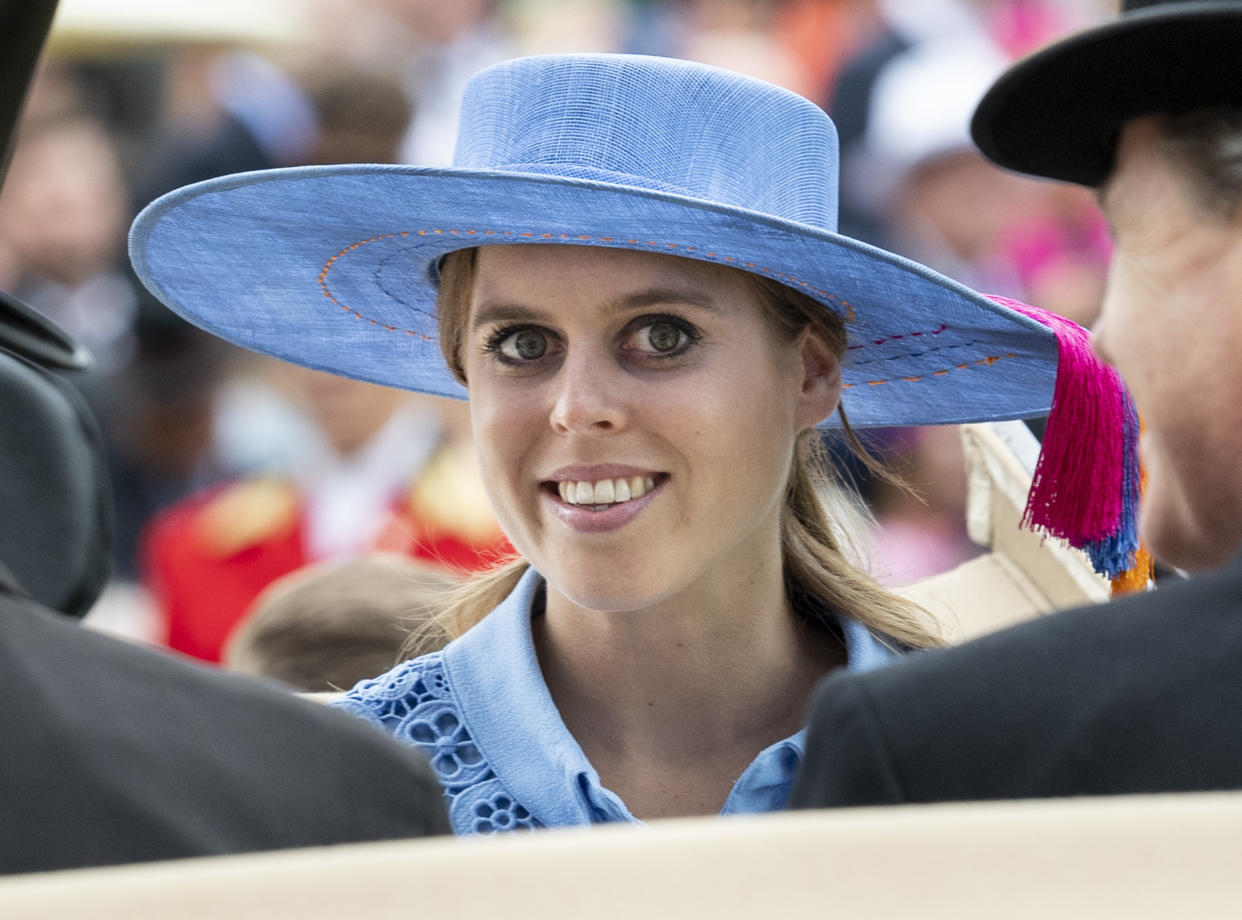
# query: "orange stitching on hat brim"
710,254
987,361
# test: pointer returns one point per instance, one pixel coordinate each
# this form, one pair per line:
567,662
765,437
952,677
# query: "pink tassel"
1081,489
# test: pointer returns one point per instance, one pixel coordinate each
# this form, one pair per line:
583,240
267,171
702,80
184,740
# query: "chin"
618,593
1185,542
603,599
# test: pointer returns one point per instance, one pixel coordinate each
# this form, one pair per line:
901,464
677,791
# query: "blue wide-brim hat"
335,267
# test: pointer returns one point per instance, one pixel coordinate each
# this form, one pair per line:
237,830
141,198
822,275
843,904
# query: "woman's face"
635,416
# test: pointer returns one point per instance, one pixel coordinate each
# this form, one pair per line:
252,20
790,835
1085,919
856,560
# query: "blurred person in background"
179,106
336,467
1010,27
329,625
352,467
62,217
942,203
361,116
1060,250
225,108
920,519
897,27
740,35
560,26
447,42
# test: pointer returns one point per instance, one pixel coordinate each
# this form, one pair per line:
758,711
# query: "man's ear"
821,381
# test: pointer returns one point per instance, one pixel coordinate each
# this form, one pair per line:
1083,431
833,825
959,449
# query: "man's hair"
1206,145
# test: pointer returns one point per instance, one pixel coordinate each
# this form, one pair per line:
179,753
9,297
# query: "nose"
589,398
1099,343
1101,330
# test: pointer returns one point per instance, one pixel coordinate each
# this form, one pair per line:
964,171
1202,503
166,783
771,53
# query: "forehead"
541,271
1144,184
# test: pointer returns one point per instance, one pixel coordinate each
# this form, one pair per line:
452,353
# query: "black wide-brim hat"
1057,112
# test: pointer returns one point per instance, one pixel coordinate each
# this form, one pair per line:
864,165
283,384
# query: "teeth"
605,491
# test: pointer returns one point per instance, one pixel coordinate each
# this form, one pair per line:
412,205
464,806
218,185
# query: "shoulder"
387,700
62,662
418,704
1169,626
154,757
981,719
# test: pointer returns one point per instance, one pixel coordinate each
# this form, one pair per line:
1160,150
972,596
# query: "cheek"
498,427
756,434
1186,519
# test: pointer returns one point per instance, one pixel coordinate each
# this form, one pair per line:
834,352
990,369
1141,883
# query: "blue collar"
513,721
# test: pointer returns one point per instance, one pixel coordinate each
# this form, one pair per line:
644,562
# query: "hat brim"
333,267
1057,112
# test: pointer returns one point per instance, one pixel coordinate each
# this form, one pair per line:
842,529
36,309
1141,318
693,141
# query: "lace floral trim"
415,704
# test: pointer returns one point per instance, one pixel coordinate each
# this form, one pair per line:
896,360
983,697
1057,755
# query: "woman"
641,291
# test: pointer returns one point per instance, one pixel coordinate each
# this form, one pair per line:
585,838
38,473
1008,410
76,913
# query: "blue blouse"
481,711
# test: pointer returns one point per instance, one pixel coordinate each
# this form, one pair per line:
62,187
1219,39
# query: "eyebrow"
510,312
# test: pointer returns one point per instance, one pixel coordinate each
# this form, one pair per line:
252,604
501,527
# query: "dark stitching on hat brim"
571,239
987,361
710,255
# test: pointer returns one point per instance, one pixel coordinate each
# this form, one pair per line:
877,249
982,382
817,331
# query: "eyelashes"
645,339
522,344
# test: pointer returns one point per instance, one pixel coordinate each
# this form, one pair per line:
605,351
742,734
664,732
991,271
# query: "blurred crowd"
231,471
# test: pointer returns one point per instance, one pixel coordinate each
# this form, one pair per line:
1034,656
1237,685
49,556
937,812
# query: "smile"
604,493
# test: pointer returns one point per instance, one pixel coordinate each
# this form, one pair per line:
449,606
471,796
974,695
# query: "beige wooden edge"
1024,575
1126,857
1001,459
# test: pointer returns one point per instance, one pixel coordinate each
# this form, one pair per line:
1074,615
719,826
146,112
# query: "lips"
600,488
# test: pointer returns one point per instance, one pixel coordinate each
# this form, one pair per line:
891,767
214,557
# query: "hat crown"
654,123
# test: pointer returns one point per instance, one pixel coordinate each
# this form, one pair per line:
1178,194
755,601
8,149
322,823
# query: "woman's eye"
524,345
660,338
664,337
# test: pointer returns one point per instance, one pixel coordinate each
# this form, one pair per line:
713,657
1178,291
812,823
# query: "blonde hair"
820,574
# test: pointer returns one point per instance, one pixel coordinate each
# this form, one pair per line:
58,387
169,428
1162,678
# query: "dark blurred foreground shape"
110,753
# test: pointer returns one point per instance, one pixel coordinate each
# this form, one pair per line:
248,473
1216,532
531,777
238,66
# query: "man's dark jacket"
1140,695
111,753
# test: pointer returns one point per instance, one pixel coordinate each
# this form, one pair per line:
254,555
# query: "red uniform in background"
207,558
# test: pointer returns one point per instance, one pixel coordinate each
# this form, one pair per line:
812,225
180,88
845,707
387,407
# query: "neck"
695,684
